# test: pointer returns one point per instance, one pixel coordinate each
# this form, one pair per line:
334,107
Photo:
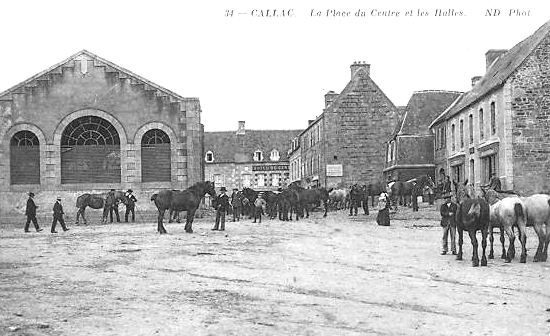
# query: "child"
383,217
259,207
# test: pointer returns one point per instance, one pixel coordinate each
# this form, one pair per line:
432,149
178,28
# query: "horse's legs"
491,240
503,255
545,250
542,241
483,247
160,226
511,237
473,239
460,234
189,221
78,215
523,240
326,208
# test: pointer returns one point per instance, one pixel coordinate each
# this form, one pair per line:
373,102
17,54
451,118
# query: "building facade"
502,125
295,160
88,125
409,150
346,144
256,159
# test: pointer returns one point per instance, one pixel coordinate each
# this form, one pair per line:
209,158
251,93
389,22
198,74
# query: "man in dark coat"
222,205
58,216
414,196
112,203
494,183
30,211
354,199
448,213
130,205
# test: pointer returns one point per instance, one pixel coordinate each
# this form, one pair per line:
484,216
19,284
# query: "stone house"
409,150
502,125
346,144
256,159
88,125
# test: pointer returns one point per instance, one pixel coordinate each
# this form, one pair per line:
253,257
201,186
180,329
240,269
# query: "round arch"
155,162
24,165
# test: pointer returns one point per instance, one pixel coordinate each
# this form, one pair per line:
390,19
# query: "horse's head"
209,188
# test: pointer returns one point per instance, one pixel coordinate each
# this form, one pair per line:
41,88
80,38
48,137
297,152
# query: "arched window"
258,156
274,156
90,152
155,157
24,158
209,156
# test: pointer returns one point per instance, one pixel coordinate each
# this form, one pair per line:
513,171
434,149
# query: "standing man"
448,212
112,203
222,204
354,200
58,216
414,196
130,205
30,211
259,207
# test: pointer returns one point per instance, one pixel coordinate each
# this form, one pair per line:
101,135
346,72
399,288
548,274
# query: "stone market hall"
88,125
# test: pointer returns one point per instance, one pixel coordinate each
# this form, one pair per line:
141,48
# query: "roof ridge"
437,91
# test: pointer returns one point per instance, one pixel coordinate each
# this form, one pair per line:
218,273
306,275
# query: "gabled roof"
422,108
501,69
98,61
231,147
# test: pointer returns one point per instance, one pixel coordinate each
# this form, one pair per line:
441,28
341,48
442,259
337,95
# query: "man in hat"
414,196
58,215
222,205
494,182
448,213
30,211
259,207
130,205
112,203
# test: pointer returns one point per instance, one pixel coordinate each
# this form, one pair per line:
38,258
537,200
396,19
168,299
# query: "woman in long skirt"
383,217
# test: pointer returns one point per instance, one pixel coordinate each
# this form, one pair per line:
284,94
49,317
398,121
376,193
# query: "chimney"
491,55
475,79
329,97
359,65
240,129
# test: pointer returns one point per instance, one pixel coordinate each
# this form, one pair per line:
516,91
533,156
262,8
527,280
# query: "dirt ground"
335,276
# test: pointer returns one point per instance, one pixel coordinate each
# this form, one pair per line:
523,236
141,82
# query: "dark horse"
473,215
401,192
185,200
310,196
97,201
375,189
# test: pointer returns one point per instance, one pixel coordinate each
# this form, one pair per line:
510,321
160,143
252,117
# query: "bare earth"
335,276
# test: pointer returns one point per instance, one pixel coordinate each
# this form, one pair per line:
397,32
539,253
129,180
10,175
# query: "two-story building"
255,159
410,151
502,124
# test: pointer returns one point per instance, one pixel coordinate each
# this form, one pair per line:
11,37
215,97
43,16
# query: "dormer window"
209,157
258,156
274,155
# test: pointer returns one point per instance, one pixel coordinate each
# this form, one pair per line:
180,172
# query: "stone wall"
530,104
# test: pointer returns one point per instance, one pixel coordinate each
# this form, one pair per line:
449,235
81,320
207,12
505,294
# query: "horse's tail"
519,212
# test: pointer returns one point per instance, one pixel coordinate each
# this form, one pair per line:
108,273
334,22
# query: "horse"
310,196
401,192
251,195
538,215
375,189
186,200
288,203
97,201
473,215
506,214
337,198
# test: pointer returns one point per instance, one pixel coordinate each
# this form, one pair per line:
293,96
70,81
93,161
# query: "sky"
270,71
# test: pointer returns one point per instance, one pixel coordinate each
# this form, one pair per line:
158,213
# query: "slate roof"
501,69
6,95
422,108
229,147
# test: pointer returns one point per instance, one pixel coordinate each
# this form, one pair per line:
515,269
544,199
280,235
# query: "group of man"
30,210
222,206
